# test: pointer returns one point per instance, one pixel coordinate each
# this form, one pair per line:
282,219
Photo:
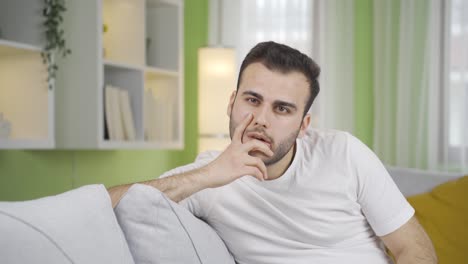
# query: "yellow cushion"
443,212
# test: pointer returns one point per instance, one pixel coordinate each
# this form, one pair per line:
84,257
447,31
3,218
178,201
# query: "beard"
278,152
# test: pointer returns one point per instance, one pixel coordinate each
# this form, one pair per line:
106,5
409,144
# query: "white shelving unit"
141,51
25,99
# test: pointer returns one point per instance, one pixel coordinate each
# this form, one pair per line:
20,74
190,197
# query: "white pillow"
159,230
77,226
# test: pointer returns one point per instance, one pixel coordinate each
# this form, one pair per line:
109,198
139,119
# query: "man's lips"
259,136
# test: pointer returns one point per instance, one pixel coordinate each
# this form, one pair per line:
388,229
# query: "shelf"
164,3
26,144
161,72
122,65
7,46
141,50
163,36
131,81
124,40
162,111
110,145
21,21
27,103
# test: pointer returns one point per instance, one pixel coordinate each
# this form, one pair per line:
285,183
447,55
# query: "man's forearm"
176,187
420,252
417,258
411,244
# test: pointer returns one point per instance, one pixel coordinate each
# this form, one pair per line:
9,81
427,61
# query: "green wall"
33,174
363,71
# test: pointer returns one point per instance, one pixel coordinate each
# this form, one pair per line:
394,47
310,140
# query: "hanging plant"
55,41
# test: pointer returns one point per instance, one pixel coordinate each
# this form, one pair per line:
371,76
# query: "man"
315,196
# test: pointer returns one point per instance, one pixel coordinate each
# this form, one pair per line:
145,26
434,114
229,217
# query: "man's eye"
282,109
252,100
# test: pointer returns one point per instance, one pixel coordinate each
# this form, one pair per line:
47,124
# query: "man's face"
277,102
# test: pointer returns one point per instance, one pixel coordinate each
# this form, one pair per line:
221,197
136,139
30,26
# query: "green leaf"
54,34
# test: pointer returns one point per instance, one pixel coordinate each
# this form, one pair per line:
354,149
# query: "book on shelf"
150,128
116,116
113,113
127,116
108,111
169,119
159,114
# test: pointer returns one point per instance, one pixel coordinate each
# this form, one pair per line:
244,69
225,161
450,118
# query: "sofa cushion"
412,181
443,212
77,226
159,230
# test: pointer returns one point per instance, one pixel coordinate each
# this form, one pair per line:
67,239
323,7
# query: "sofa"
80,226
441,204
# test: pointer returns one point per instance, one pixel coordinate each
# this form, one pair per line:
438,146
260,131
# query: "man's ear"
231,102
304,125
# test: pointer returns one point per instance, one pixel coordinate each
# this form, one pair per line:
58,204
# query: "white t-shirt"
328,207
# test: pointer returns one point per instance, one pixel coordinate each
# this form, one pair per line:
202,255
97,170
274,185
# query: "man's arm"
410,244
176,187
232,164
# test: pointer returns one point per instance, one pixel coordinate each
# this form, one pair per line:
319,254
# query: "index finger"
240,129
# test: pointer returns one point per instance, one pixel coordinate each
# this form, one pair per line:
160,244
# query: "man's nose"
262,117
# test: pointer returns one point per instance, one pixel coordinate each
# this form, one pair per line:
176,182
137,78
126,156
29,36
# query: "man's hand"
236,162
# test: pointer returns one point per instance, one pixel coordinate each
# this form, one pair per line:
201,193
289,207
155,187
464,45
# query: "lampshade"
216,82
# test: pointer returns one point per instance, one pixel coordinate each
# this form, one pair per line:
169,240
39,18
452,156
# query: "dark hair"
282,58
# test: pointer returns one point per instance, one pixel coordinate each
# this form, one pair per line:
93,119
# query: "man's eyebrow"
277,102
283,103
254,94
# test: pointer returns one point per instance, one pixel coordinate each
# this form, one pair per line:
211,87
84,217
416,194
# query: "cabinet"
26,102
141,52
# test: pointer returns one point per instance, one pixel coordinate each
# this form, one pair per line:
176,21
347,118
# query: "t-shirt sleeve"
385,207
198,203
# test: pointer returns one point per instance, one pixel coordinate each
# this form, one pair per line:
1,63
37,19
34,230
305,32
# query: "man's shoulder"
326,136
328,143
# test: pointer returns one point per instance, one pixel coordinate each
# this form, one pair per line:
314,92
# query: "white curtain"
322,29
410,89
455,146
335,55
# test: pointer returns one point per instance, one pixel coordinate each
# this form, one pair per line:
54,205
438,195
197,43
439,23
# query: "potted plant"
54,35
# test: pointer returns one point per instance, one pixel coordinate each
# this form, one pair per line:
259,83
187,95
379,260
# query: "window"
283,21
